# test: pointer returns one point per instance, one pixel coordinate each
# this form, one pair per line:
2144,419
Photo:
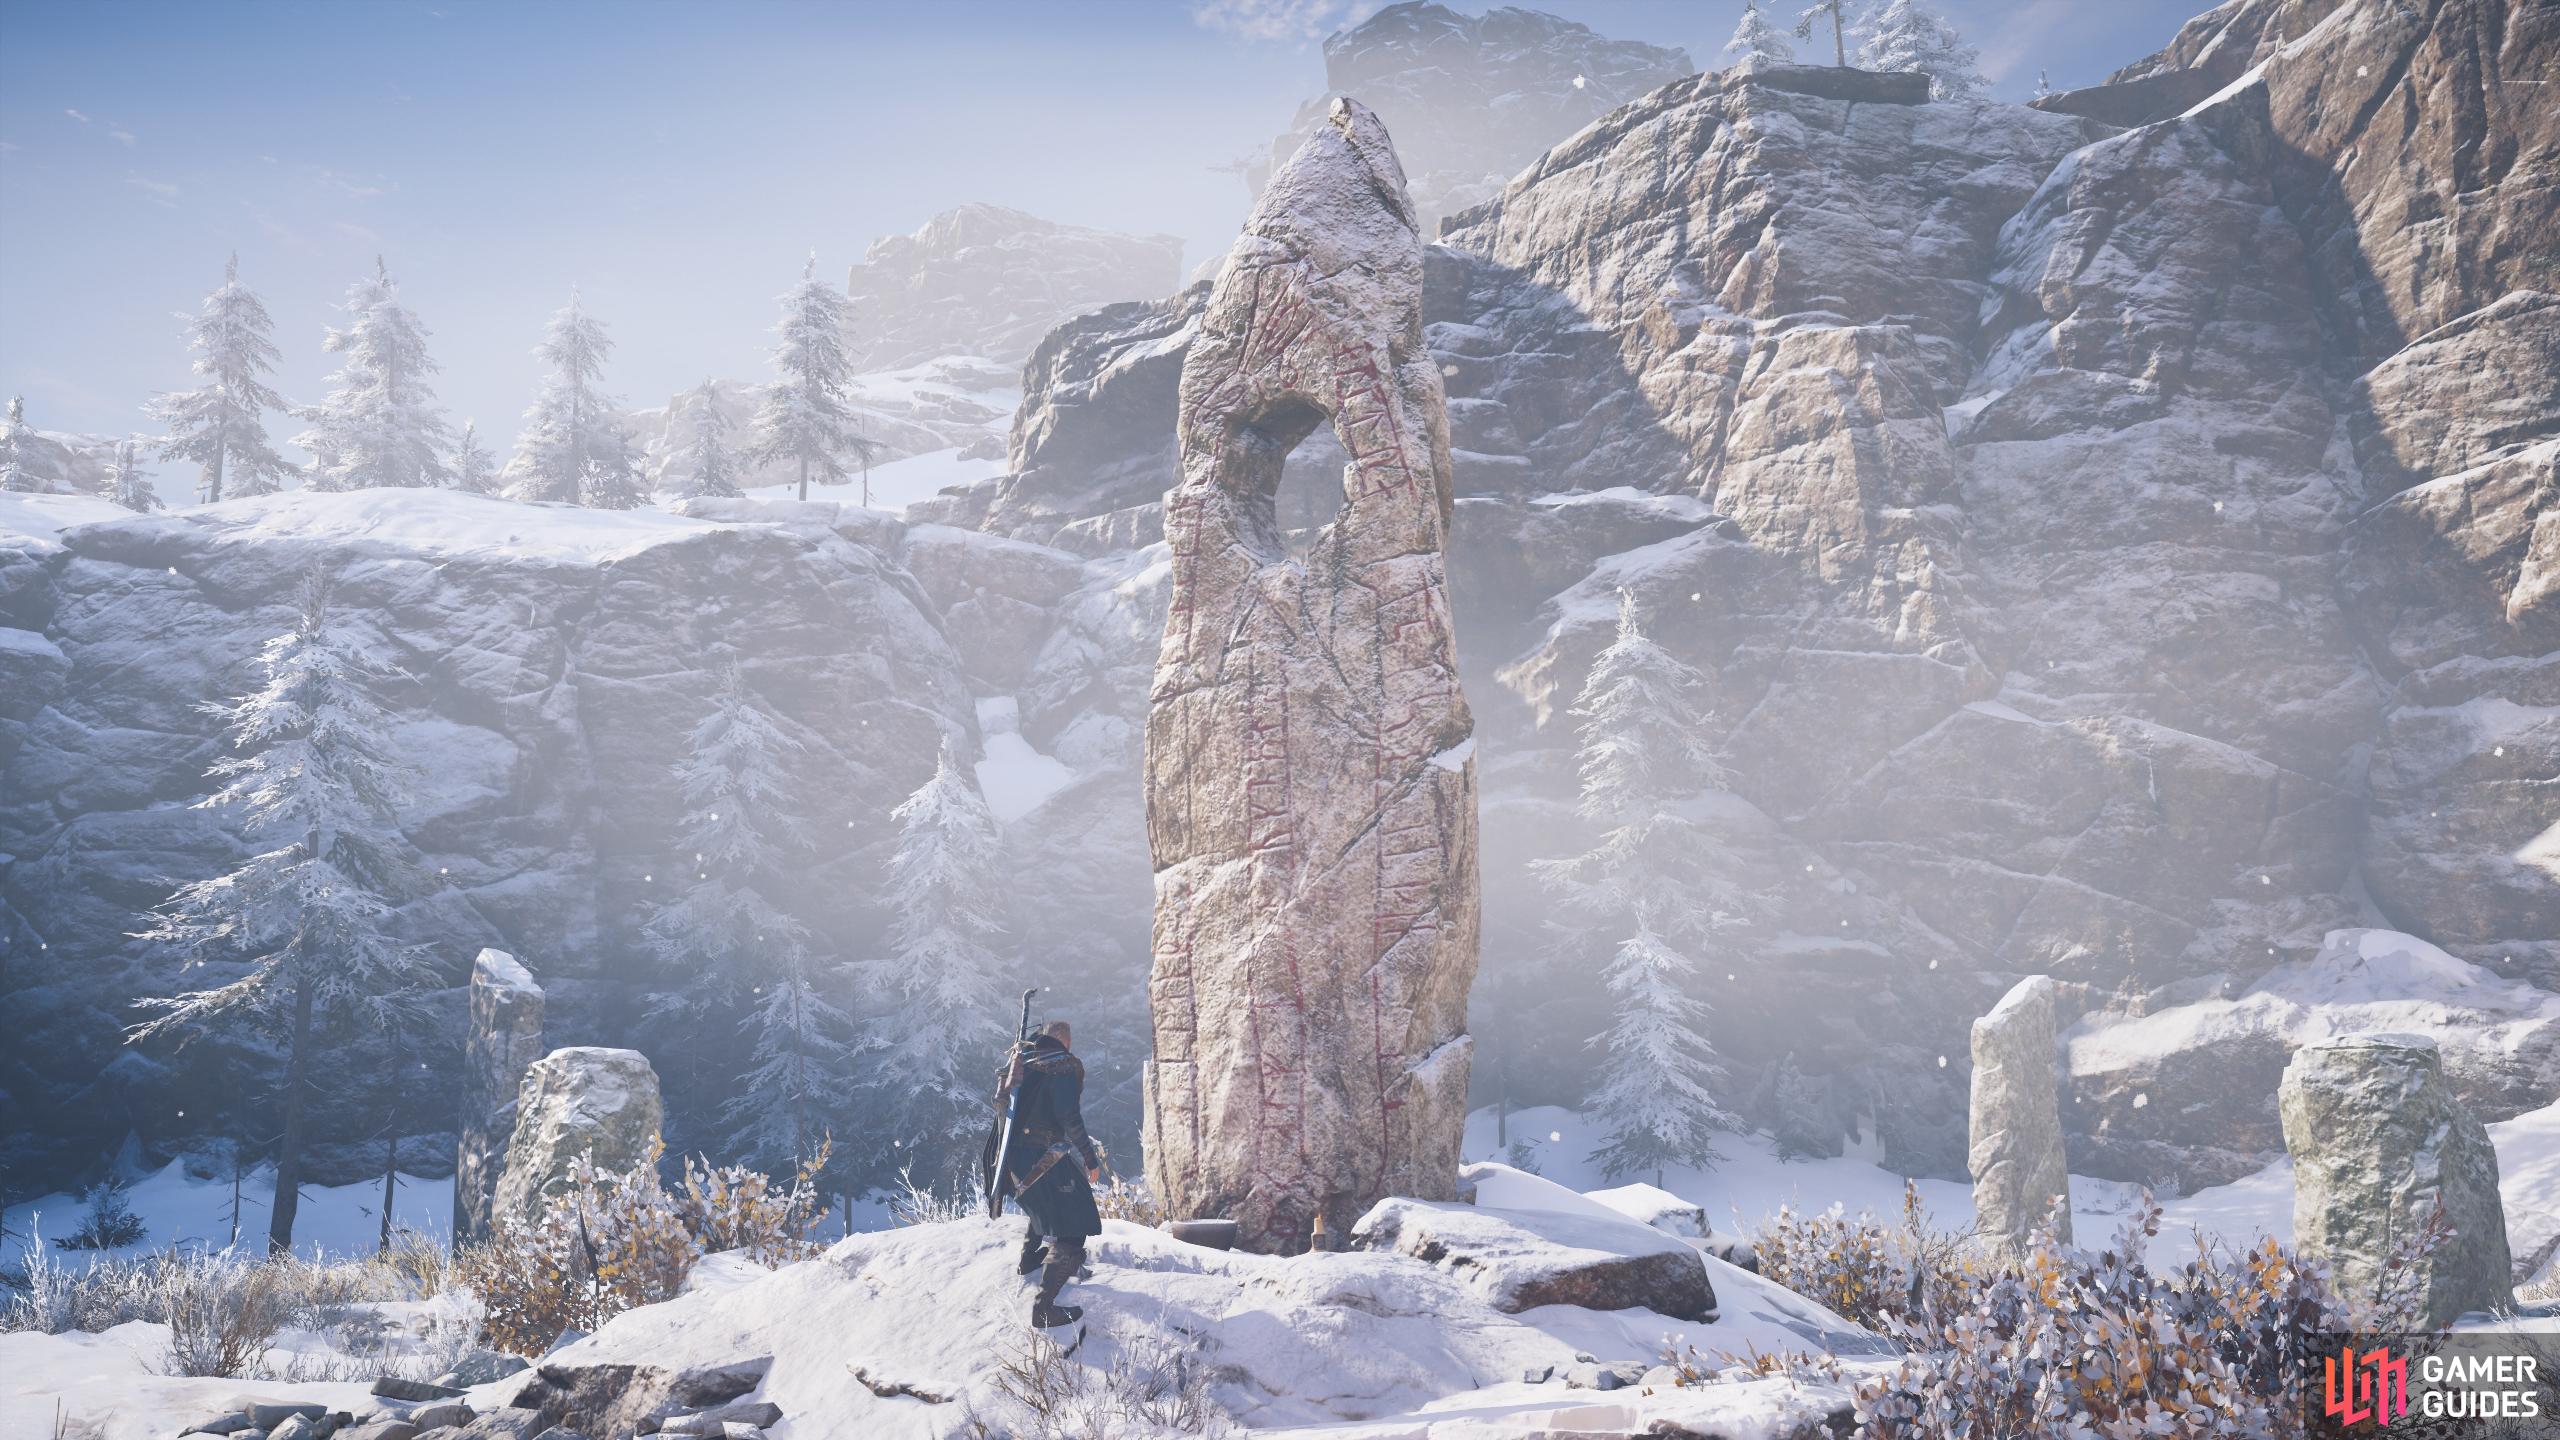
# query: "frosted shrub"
736,1208
598,1248
610,1242
1155,1387
915,1202
2078,1345
1865,1270
224,1313
1128,1200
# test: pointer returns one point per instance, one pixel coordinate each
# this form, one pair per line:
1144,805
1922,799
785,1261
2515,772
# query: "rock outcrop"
1310,787
987,281
585,1102
550,664
2379,1147
1521,1259
1473,98
504,1041
2016,1153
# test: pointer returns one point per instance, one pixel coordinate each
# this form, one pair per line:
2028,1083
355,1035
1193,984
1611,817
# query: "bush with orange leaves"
609,1242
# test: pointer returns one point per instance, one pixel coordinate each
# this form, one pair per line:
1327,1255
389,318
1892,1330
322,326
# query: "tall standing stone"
584,1100
505,1040
1311,800
2016,1152
2378,1142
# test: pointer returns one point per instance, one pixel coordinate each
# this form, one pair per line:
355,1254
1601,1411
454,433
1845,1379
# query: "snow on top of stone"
2360,982
502,971
443,522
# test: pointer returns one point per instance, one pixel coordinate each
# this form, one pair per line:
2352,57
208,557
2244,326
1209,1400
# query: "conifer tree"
1756,39
300,927
938,1009
1911,35
474,470
574,447
380,424
127,485
1644,767
806,418
723,932
220,425
706,466
14,474
1815,14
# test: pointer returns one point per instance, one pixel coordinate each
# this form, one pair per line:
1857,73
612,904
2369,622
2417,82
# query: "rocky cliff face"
1472,98
2123,553
555,660
986,281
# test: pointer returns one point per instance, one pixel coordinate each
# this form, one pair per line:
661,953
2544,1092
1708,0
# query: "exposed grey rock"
1521,1259
985,280
1310,787
761,1413
223,1424
297,1427
2379,1144
1473,98
394,1387
393,1428
628,1399
586,1100
2016,1158
504,1040
267,1415
482,1366
452,1412
560,657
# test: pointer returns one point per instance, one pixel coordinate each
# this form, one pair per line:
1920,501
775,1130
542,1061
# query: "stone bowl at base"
1211,1234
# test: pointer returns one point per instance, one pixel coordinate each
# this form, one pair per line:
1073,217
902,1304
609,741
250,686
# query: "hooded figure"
1050,1168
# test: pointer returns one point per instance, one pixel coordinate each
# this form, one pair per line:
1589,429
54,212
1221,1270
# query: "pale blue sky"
673,161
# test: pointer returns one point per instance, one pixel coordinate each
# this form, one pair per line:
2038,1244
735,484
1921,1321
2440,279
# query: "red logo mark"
2372,1386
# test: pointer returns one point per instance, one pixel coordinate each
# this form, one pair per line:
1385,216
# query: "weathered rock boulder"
1310,787
2016,1122
504,1041
2379,1144
1521,1259
587,1100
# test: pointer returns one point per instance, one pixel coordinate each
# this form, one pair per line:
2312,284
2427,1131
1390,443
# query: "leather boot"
1029,1263
1065,1258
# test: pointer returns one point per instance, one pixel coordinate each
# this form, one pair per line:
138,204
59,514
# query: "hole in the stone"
1310,489
1293,469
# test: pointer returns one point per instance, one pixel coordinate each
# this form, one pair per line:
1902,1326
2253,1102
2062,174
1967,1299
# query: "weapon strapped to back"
1009,1107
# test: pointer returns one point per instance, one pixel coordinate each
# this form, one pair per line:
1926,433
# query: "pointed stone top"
1345,185
498,970
2035,990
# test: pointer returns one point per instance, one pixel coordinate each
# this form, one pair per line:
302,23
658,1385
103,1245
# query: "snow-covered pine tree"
940,1013
302,925
806,418
1756,39
220,425
127,485
574,447
14,474
1912,35
706,466
474,469
380,424
1644,767
1814,15
729,940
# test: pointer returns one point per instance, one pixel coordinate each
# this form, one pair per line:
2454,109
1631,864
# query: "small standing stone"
2378,1142
505,1040
2016,1153
585,1100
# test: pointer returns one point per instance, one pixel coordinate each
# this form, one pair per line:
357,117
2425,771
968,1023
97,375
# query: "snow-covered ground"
1751,1182
1014,777
181,1210
897,484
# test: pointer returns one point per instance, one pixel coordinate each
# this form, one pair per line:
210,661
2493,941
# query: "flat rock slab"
1522,1259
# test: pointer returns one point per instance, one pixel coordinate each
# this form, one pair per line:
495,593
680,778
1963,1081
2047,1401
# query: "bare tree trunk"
1839,45
390,1180
804,478
289,1150
213,479
236,1166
